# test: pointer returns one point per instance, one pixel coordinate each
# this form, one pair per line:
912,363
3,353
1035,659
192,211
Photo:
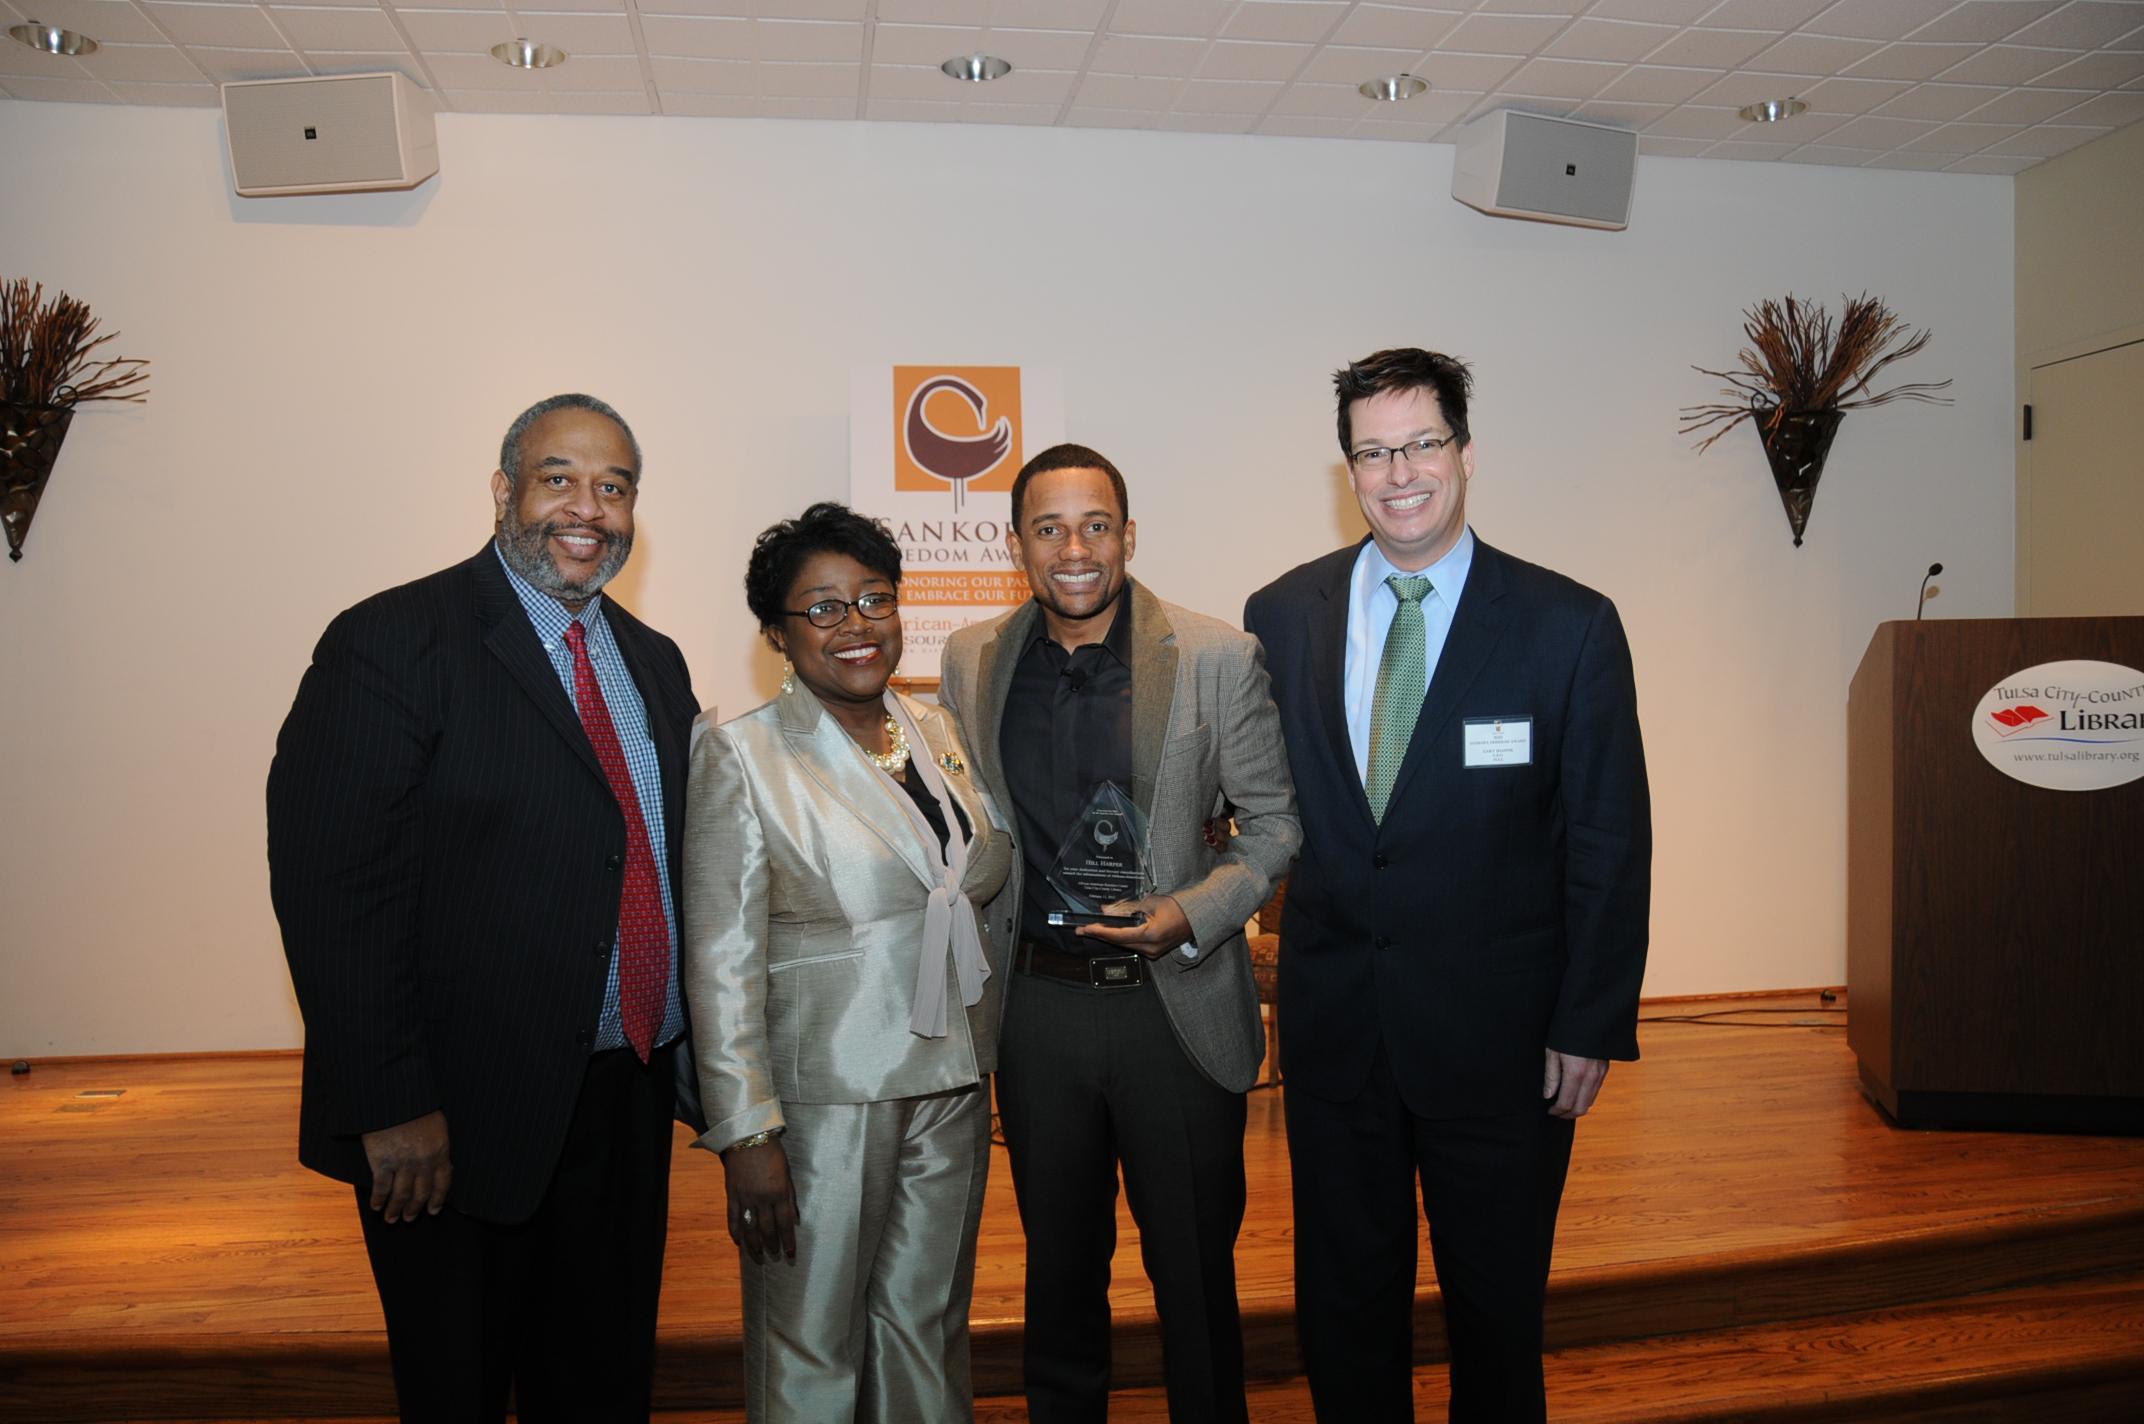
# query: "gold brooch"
951,762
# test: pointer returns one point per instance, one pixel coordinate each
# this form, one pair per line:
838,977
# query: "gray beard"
525,547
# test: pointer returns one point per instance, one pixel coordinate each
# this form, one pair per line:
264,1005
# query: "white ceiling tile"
169,96
106,21
1666,12
312,27
1204,96
500,101
2025,106
229,65
1341,64
1991,163
928,44
480,71
2104,69
1711,49
1388,27
1657,146
853,10
710,106
1136,54
1689,121
704,76
2083,24
1040,115
1182,122
1168,17
1290,20
63,91
1398,130
1560,78
1938,101
1024,86
975,13
1034,49
1910,61
915,81
1878,19
1742,88
229,26
712,9
912,111
1083,118
1128,91
811,81
1985,21
141,64
1763,14
2119,110
2133,40
582,34
1441,106
1502,34
806,41
1956,139
1650,84
1924,162
1527,7
1830,156
1476,73
1868,132
1811,54
631,102
527,8
1041,14
596,73
326,62
807,108
693,38
1750,151
458,31
2004,64
1626,116
1852,96
1612,40
1235,59
2047,140
1305,126
1322,101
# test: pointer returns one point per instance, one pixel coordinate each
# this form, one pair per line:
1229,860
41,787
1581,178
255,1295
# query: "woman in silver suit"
845,987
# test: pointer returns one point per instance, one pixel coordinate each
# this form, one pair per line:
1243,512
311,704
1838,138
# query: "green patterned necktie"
1402,678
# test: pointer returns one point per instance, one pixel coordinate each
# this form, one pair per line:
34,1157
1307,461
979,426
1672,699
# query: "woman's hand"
763,1201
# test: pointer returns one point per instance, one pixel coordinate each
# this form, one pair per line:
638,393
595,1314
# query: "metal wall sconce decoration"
1799,376
46,370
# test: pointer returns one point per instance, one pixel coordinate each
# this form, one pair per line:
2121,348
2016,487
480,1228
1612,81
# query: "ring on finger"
748,1216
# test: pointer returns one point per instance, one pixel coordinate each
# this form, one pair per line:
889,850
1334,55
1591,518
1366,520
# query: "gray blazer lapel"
1153,690
828,756
993,687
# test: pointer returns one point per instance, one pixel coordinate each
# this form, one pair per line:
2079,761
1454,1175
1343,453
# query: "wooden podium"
1994,929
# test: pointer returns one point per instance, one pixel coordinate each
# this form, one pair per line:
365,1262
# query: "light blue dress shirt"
629,717
1371,605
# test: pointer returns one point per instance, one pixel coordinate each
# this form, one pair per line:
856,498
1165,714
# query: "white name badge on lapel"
1499,741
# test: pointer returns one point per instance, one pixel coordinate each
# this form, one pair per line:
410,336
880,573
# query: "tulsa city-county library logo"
956,428
2009,721
2068,726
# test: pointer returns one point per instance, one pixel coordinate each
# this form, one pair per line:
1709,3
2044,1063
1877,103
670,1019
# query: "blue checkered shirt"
629,715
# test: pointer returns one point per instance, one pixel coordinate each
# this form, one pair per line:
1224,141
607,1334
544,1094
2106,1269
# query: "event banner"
933,451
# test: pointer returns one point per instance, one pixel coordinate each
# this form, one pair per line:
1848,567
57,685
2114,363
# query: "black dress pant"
1088,1079
558,1310
1490,1188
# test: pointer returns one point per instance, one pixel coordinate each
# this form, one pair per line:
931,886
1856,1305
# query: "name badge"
1499,741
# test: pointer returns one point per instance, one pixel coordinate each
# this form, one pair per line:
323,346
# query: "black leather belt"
1115,970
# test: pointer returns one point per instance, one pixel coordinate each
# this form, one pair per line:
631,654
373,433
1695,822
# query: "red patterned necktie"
643,930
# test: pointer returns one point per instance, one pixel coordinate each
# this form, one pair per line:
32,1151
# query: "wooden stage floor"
155,1225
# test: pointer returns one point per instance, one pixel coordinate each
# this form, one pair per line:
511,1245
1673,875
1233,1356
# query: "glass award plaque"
1104,859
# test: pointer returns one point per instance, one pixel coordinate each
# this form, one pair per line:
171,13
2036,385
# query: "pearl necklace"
895,757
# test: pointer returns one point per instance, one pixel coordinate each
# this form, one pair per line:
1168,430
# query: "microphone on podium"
1922,602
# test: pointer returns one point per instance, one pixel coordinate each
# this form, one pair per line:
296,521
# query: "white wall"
331,376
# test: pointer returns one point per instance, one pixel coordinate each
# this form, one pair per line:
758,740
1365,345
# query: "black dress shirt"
1067,729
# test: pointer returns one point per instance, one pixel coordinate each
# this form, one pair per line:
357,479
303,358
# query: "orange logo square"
956,428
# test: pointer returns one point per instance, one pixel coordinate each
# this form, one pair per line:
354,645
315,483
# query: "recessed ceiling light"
1771,111
1392,88
976,68
528,54
51,38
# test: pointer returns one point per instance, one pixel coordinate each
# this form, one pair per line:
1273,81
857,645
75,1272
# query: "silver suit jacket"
805,889
1205,734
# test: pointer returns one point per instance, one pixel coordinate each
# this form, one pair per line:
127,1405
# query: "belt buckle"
1115,971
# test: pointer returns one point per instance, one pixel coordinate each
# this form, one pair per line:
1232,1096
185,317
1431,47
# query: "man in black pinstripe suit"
479,770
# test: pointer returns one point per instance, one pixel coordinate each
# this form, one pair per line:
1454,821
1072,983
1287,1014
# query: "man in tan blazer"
1128,1046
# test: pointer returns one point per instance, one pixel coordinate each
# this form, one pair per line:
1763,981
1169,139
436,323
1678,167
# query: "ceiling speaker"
1554,170
344,133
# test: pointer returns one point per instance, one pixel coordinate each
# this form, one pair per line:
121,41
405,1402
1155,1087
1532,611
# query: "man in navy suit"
1465,929
473,832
